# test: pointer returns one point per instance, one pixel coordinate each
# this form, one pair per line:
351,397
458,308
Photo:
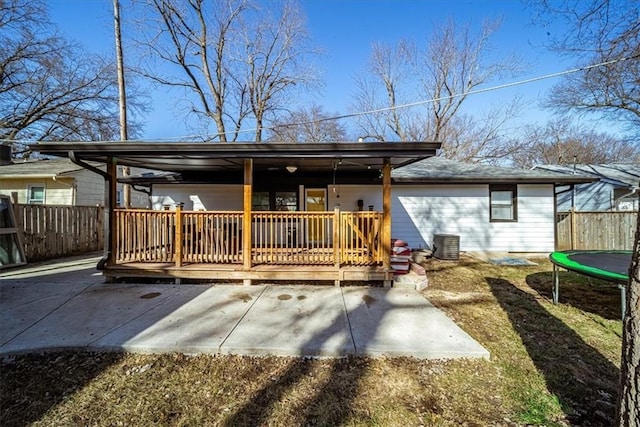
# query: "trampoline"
610,266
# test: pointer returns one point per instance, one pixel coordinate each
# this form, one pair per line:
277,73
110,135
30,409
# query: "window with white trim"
35,194
503,200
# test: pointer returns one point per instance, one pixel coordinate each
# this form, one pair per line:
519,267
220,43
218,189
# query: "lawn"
550,365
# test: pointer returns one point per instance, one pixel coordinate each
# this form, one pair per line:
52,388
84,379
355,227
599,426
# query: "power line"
408,105
471,92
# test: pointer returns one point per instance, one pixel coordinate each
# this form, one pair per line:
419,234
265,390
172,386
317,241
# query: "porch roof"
212,156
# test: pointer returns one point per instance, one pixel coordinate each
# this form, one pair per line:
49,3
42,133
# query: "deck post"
178,236
246,217
386,221
337,225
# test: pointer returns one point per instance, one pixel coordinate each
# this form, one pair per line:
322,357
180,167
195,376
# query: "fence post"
19,221
572,215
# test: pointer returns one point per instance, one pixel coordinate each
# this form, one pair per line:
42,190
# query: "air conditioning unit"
446,246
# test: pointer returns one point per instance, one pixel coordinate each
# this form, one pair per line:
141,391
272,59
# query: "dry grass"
551,365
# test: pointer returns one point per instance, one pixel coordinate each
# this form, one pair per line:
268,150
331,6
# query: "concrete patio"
66,305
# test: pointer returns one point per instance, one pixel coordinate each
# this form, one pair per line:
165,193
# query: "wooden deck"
261,272
205,245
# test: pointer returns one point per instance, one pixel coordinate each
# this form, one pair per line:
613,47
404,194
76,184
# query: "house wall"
596,196
79,188
59,192
418,212
89,188
198,197
421,211
347,197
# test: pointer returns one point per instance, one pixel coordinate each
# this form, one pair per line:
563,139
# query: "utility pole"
122,97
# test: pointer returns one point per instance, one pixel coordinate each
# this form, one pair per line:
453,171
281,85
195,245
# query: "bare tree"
561,141
49,88
239,60
481,138
601,31
607,31
454,62
307,125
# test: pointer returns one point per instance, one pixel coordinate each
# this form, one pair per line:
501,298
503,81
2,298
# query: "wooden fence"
595,230
56,231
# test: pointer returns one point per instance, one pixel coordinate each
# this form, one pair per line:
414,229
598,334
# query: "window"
286,201
503,201
260,201
35,194
274,201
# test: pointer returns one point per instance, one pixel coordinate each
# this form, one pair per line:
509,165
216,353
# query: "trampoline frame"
617,279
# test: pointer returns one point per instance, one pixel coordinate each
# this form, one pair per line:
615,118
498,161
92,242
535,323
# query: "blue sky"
345,30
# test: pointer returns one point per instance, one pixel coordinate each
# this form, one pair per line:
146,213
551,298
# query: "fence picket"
595,230
56,231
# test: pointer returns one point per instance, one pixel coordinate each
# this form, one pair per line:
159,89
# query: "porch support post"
178,236
386,222
246,217
337,231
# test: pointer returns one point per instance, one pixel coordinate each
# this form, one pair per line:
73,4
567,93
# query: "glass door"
316,201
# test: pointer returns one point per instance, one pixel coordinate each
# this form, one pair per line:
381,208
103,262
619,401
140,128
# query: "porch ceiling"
208,156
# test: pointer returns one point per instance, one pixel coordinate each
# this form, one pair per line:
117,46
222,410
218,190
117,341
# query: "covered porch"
332,246
247,245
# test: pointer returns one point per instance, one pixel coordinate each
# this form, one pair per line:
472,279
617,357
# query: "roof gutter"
74,159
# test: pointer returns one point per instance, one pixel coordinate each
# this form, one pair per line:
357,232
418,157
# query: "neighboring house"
315,211
58,182
615,189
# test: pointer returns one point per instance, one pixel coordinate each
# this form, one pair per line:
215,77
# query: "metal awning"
216,156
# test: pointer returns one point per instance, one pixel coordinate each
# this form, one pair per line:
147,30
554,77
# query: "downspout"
108,203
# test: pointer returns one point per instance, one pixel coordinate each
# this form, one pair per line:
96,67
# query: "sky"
345,31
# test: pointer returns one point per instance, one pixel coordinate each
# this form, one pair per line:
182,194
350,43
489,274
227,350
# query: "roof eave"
491,180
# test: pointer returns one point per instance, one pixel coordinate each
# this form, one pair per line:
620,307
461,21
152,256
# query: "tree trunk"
629,390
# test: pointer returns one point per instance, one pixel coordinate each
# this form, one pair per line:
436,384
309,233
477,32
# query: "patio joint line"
346,312
242,318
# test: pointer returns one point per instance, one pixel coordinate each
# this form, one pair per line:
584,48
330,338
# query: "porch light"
292,168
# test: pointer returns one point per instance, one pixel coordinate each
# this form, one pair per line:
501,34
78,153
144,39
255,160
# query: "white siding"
59,192
596,196
348,195
89,188
198,197
419,212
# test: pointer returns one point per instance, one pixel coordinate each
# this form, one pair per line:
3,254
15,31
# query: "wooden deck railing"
212,237
305,238
293,238
360,237
145,236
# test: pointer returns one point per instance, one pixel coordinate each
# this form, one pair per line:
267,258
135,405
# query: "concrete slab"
88,316
195,319
26,297
401,322
66,305
297,320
